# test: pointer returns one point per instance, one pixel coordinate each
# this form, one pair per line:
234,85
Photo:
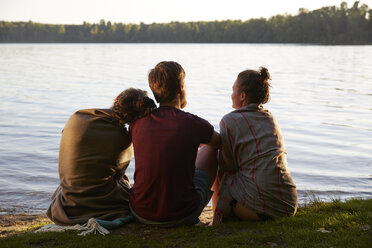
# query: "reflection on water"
321,96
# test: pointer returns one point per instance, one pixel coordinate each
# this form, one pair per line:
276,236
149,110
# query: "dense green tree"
327,25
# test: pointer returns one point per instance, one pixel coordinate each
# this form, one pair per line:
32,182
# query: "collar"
249,108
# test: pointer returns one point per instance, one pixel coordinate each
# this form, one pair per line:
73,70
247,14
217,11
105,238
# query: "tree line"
327,25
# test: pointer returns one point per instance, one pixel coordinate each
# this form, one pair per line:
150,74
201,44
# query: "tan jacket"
94,153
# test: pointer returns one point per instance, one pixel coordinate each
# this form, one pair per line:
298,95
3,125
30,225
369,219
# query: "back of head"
132,104
255,84
165,80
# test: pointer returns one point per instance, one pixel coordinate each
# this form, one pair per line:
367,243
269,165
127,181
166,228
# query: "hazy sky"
149,11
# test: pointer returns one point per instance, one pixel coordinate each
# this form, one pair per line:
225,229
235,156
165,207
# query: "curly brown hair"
131,105
255,84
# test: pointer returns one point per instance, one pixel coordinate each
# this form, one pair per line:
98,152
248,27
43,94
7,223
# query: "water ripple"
326,118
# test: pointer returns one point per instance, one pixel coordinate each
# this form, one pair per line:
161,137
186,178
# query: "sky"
150,11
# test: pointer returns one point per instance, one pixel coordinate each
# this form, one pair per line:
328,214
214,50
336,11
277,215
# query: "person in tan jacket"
95,151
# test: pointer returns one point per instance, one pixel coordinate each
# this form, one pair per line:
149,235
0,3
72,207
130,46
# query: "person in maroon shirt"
173,177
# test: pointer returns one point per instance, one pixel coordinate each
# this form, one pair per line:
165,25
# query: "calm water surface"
321,96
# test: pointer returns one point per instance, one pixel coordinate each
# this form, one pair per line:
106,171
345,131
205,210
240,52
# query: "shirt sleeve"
226,158
204,130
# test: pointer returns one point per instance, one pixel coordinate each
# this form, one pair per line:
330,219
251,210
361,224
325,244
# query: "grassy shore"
334,224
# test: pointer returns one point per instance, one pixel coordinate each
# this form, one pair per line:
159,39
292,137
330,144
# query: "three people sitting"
174,171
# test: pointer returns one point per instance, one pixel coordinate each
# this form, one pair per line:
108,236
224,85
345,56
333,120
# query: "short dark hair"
255,84
131,105
165,80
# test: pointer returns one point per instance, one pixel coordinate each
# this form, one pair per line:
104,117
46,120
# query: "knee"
206,161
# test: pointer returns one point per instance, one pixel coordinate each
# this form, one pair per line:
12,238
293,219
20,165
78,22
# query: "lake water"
321,96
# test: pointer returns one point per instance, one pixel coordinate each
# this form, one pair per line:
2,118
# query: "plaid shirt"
253,161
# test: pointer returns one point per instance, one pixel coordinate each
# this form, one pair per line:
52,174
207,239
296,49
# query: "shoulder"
196,120
268,116
177,114
93,116
106,114
95,112
188,115
230,118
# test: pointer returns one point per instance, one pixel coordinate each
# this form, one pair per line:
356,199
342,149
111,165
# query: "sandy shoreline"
16,223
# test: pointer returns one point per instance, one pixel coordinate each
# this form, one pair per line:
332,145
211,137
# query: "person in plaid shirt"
253,180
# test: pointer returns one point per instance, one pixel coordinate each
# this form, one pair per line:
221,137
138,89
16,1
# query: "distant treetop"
327,25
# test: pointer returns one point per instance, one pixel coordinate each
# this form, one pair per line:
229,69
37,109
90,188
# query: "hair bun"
264,73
